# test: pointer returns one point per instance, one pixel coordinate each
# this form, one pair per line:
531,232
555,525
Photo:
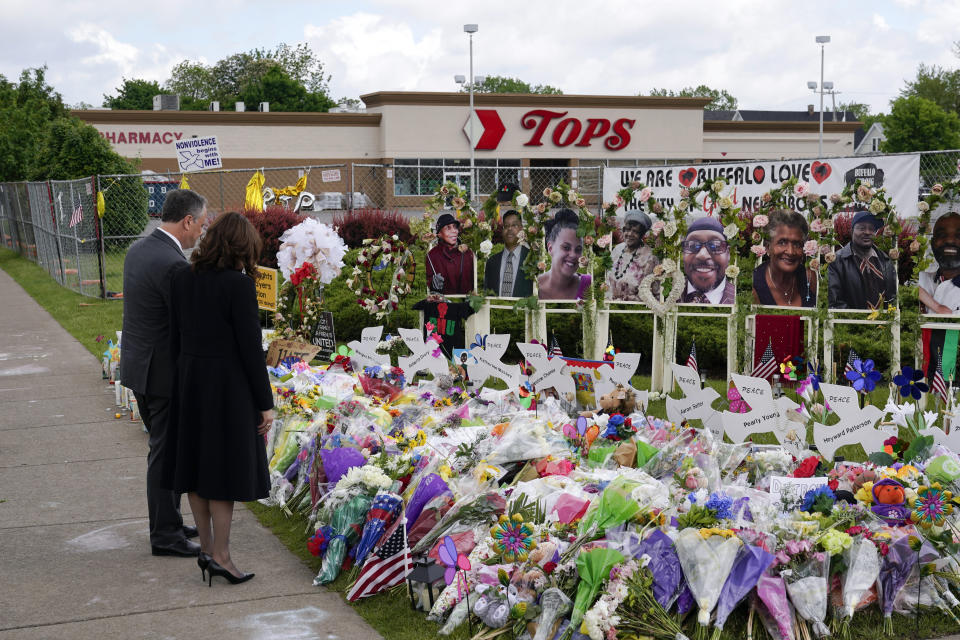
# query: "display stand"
842,317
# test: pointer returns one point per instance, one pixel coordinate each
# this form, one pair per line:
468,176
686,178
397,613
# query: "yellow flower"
908,472
445,472
865,493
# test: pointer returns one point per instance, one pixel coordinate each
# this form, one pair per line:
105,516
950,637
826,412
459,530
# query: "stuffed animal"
620,400
889,500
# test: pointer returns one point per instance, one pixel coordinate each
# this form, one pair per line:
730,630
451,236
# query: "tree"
720,99
285,94
72,148
861,111
936,84
919,124
26,109
133,94
503,84
241,74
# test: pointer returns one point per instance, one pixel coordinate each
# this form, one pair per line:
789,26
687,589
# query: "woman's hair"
562,219
787,218
231,242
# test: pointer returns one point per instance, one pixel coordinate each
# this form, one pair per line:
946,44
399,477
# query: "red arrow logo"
493,129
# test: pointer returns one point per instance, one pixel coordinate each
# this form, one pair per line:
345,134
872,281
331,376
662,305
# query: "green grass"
85,318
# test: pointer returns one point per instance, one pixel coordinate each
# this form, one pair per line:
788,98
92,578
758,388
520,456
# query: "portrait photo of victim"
706,256
939,285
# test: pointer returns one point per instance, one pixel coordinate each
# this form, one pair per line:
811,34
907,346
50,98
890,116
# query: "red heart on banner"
820,170
723,153
758,174
687,176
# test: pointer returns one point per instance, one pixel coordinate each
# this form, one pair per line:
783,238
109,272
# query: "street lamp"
471,29
822,41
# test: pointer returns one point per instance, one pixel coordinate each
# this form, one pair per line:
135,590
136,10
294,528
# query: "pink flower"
817,226
758,250
684,193
645,194
801,189
588,240
604,241
657,227
617,200
760,221
810,248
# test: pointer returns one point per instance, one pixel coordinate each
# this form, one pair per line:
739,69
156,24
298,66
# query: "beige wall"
774,145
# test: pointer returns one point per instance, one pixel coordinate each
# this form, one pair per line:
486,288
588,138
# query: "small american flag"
77,216
851,357
387,566
692,358
938,384
555,347
767,364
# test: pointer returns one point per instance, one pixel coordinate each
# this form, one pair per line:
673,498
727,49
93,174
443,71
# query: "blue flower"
863,376
721,503
816,375
810,498
909,381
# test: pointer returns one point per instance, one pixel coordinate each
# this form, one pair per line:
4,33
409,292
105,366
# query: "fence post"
353,167
95,182
56,236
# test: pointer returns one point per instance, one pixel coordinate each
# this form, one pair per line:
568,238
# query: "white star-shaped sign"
489,364
548,372
696,403
765,415
856,425
620,371
365,351
423,355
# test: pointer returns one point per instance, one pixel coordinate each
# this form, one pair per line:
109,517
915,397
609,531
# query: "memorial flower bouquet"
707,557
806,574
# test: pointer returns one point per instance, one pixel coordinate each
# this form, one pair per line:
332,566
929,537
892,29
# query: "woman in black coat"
223,404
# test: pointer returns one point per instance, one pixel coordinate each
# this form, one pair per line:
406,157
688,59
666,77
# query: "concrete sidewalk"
74,549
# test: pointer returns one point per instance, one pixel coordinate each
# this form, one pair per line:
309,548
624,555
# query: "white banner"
197,154
750,180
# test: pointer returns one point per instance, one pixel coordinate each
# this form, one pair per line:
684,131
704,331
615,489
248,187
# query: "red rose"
833,484
806,468
549,567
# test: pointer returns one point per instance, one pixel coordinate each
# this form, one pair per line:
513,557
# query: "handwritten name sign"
489,364
766,414
696,403
365,351
280,349
547,372
423,355
856,425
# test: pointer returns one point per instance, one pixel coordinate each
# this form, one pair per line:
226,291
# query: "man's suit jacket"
146,364
522,285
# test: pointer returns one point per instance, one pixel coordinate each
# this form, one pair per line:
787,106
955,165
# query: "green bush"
125,216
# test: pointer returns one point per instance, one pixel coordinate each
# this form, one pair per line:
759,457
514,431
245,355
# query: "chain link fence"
55,224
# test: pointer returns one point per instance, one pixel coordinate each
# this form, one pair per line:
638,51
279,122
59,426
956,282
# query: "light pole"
471,29
822,41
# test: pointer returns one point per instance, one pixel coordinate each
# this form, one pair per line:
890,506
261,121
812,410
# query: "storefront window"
423,176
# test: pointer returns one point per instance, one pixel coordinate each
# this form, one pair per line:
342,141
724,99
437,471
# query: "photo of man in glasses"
706,255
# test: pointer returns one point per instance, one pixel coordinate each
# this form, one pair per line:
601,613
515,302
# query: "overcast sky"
761,51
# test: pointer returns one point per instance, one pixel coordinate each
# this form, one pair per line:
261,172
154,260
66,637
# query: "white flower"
555,196
732,271
523,200
669,229
669,265
486,247
877,206
572,196
923,206
683,205
718,186
730,231
726,202
313,242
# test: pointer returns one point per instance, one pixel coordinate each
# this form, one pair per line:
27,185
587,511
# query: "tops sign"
554,126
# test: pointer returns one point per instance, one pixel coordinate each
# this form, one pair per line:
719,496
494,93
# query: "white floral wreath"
666,269
387,251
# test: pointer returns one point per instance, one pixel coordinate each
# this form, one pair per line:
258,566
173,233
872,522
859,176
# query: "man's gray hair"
181,203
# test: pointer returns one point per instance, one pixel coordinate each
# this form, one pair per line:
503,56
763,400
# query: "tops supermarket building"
407,143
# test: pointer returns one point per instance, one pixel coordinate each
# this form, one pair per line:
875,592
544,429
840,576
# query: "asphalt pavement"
75,557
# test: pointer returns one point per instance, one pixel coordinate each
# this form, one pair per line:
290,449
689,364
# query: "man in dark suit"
146,362
504,274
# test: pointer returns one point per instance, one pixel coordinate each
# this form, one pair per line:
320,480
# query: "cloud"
880,23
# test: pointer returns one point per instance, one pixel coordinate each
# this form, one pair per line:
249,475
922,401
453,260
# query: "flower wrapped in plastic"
894,571
664,567
383,511
807,584
863,569
594,567
706,564
345,525
315,243
614,507
772,592
750,564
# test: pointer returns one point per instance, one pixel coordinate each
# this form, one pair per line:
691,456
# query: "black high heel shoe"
214,569
203,561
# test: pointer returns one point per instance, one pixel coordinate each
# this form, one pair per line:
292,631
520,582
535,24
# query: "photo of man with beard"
939,286
706,255
862,277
